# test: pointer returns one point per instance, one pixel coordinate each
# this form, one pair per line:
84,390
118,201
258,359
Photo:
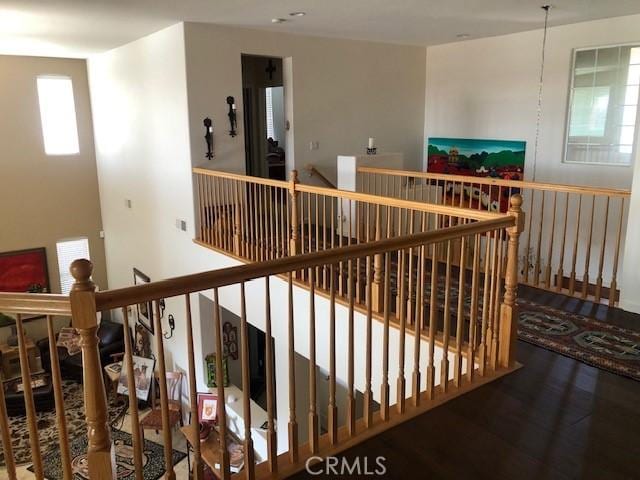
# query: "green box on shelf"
210,361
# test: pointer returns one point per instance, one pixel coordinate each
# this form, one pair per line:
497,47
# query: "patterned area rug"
590,341
47,427
152,459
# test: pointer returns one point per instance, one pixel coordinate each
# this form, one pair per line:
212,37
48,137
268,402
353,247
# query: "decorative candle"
371,142
233,107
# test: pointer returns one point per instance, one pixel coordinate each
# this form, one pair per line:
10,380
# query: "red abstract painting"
24,271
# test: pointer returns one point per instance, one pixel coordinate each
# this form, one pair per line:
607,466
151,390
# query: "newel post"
294,241
100,451
509,309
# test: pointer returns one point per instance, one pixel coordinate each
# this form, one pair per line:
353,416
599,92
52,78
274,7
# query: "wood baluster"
207,210
294,243
484,330
491,336
377,295
251,207
410,293
237,225
536,273
528,249
217,212
384,394
444,364
136,433
509,308
164,395
268,220
419,323
495,332
249,454
277,222
5,431
317,249
560,274
313,415
401,307
29,405
572,278
222,413
272,441
324,239
473,311
368,394
358,282
293,422
598,293
614,285
100,451
332,412
457,363
340,237
433,320
351,401
547,272
587,258
198,464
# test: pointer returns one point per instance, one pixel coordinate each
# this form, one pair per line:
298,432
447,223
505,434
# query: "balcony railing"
572,240
397,271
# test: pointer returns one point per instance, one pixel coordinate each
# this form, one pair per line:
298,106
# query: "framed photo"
145,310
207,407
210,361
143,376
24,271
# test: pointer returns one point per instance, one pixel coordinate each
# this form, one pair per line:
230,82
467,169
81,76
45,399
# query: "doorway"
264,112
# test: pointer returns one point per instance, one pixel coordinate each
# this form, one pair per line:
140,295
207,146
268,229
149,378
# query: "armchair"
111,341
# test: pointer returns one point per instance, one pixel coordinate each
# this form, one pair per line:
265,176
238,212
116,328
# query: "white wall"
488,88
344,92
144,150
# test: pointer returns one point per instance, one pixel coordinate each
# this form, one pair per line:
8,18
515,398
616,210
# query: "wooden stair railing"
314,172
573,234
480,342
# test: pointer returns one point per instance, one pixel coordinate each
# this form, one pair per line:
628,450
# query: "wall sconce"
208,136
232,116
172,326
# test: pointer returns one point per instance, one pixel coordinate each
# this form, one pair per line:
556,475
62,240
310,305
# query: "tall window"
269,110
603,106
58,115
68,251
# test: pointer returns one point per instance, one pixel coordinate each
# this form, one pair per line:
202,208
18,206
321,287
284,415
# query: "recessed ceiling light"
297,14
278,20
462,36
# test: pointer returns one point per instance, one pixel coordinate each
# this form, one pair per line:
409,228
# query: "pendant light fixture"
546,9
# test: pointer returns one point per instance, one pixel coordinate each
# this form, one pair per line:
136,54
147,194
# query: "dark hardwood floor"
555,418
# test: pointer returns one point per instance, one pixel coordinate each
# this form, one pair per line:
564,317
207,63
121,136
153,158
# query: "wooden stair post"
377,294
100,451
509,309
294,241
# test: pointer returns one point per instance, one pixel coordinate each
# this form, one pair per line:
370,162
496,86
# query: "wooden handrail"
110,299
243,178
35,303
400,203
357,196
553,187
314,171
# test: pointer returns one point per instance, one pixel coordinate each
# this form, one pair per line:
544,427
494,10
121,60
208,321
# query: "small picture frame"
207,408
145,309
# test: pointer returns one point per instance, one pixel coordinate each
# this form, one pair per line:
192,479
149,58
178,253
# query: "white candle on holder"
371,142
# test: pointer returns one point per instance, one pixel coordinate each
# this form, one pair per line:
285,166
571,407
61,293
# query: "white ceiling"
79,28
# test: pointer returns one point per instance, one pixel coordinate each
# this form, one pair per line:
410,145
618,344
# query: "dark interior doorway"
264,123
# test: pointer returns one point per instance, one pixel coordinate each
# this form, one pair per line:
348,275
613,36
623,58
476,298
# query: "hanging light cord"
546,9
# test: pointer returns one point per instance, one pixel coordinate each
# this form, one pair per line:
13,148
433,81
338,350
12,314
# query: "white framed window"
603,105
269,112
58,115
68,251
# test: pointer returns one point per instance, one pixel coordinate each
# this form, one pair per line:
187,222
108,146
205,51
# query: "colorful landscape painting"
478,158
503,159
